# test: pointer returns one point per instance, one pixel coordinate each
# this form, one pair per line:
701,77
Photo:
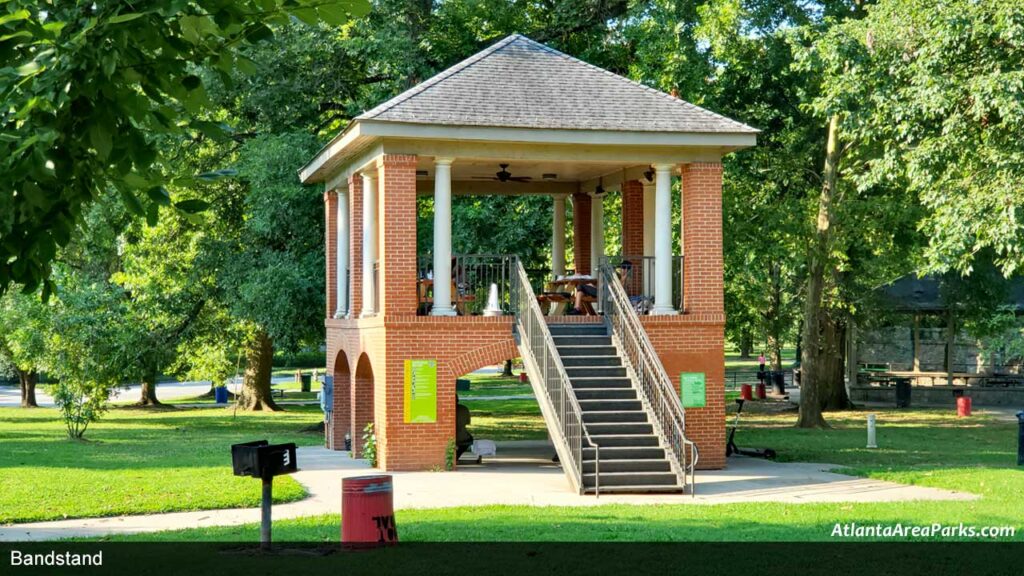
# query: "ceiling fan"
505,176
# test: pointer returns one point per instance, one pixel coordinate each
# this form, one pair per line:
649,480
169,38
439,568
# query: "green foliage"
932,94
449,455
87,88
24,323
370,444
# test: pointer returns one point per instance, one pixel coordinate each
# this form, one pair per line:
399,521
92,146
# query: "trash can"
779,380
1020,438
462,384
307,382
903,392
746,392
367,511
220,394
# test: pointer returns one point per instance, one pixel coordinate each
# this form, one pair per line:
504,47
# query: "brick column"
633,232
355,245
331,238
702,238
581,232
396,209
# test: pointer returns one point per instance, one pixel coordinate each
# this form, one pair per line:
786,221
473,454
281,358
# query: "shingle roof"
524,84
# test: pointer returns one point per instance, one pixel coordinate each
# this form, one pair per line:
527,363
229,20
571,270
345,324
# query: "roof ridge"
437,78
657,92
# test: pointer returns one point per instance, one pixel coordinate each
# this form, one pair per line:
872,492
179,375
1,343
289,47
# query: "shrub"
370,444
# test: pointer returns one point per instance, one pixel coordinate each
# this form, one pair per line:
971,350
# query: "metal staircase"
607,422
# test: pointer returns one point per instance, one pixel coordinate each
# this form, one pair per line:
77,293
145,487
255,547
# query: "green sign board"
420,391
693,389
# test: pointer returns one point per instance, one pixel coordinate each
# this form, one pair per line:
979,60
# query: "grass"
506,419
136,461
733,361
495,385
922,447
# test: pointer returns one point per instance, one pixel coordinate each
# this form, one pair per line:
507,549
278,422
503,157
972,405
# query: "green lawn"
924,447
506,419
136,461
734,362
495,385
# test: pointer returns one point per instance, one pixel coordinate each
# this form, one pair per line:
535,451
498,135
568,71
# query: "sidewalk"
522,474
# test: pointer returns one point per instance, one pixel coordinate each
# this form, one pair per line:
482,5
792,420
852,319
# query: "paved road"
11,395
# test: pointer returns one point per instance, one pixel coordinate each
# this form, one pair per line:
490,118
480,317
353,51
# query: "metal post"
1020,438
268,489
871,431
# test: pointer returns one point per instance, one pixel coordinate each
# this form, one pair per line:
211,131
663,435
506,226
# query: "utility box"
327,395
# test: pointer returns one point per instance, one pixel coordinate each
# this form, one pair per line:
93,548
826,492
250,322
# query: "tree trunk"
835,396
28,380
148,396
507,370
814,368
259,358
746,344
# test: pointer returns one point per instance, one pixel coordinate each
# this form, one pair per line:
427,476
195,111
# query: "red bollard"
746,392
367,512
963,406
761,392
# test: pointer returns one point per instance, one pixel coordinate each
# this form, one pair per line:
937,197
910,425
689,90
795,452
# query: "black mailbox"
260,459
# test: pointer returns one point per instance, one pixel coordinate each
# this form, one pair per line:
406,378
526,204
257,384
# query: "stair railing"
655,387
538,348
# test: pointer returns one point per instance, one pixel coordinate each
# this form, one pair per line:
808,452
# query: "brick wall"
331,238
581,233
702,238
633,231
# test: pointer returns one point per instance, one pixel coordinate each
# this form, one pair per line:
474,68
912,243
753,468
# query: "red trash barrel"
746,392
523,377
963,406
367,511
761,392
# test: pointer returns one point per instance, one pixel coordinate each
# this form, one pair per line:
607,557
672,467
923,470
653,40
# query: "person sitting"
463,439
588,292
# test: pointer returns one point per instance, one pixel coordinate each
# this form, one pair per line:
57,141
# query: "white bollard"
871,431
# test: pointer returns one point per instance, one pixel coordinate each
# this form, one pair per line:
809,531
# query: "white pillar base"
656,311
443,312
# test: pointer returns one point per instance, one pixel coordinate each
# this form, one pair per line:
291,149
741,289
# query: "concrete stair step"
626,453
577,350
578,329
618,428
600,382
632,479
591,361
624,440
660,489
609,405
636,465
575,372
605,393
614,416
581,340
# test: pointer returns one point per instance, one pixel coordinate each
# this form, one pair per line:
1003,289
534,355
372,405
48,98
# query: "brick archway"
341,414
362,402
489,355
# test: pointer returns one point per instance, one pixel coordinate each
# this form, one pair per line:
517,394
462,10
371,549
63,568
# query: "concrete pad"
522,474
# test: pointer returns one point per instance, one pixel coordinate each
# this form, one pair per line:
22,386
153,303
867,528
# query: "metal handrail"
652,380
555,384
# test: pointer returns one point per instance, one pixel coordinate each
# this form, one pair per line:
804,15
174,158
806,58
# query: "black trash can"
779,381
1020,438
307,382
903,392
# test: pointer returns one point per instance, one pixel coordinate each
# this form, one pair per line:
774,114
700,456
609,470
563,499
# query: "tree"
24,323
87,86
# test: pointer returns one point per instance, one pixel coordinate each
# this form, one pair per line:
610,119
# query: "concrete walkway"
522,474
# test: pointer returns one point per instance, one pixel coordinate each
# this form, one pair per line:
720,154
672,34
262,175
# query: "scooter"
730,446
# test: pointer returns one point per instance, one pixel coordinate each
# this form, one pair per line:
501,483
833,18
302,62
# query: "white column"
648,271
369,241
596,233
443,238
663,240
344,226
558,236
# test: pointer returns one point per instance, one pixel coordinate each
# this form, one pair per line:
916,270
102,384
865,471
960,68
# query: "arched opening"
362,403
341,411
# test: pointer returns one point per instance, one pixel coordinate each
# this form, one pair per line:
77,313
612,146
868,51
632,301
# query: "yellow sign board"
420,391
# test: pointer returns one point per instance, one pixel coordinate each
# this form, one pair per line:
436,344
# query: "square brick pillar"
702,238
396,217
633,232
331,238
581,233
355,243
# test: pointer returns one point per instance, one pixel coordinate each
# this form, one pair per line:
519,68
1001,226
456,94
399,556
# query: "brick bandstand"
557,127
